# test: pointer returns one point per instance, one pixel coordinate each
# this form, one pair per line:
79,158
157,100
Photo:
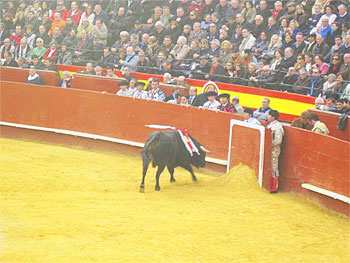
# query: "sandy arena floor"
67,205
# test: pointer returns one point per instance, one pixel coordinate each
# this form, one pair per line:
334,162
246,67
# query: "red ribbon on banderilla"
185,137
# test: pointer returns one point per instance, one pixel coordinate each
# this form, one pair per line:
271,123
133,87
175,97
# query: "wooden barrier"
50,78
331,121
306,157
108,85
316,159
110,115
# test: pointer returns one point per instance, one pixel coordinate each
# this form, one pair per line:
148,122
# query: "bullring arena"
253,95
69,205
70,180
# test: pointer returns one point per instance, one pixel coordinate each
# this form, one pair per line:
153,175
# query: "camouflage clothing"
277,136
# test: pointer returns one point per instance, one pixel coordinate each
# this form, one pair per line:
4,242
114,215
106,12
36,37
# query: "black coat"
200,100
271,30
86,49
287,63
5,34
11,63
37,81
217,74
196,101
200,71
299,49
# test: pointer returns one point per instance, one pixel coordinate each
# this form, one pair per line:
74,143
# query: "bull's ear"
205,150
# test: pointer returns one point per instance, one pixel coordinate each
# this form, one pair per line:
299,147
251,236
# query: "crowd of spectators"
296,46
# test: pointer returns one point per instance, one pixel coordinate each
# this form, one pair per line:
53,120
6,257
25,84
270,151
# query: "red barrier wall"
289,105
109,85
110,115
316,159
306,157
331,121
50,78
95,83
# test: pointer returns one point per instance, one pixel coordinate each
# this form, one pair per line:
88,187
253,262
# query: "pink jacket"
324,68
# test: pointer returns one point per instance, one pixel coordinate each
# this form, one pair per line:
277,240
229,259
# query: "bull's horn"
205,150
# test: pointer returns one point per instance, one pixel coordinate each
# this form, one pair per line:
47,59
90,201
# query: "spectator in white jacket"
248,40
98,34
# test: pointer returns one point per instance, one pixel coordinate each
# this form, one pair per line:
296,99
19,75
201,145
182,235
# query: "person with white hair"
65,81
214,50
303,83
324,28
329,13
100,14
167,78
266,78
197,33
181,81
262,112
161,32
122,42
23,50
98,71
131,59
343,16
258,26
180,50
61,10
39,50
329,84
33,77
6,47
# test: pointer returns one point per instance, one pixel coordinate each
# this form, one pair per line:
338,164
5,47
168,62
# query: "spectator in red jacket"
17,36
61,9
51,52
75,13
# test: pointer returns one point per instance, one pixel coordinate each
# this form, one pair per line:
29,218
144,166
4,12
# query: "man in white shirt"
123,88
248,117
212,103
140,92
176,99
132,88
156,93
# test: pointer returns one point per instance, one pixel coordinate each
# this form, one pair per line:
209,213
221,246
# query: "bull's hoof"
172,180
142,189
157,188
194,179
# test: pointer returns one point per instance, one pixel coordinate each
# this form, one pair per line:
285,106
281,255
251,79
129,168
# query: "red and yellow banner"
289,105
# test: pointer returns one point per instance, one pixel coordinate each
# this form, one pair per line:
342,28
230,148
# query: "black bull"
165,148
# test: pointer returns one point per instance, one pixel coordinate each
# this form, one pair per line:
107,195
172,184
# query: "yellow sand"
67,205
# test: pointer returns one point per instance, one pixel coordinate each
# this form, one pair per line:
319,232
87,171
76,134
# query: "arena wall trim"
94,136
326,192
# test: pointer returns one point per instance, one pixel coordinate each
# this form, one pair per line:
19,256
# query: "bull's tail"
150,147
